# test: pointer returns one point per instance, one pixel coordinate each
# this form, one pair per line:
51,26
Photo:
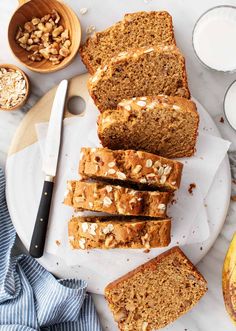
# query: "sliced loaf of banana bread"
118,232
135,30
119,200
162,125
128,166
156,293
147,71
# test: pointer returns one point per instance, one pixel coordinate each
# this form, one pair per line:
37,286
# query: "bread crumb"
222,120
191,187
146,250
173,201
58,243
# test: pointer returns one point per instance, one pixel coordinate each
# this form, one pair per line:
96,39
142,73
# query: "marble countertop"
207,86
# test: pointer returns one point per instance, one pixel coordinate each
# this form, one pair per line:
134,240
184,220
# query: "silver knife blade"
53,139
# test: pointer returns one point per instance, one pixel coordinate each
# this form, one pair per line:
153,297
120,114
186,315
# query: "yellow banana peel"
229,280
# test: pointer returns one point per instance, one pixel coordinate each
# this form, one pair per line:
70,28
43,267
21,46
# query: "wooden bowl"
39,8
19,105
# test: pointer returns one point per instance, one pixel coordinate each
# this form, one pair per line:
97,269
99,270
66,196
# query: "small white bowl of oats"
14,87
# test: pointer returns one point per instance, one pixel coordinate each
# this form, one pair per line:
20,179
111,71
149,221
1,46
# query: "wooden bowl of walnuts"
44,35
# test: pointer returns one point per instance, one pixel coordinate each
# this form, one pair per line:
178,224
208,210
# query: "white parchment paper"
189,215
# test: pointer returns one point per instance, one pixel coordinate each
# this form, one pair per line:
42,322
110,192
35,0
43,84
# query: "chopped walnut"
45,39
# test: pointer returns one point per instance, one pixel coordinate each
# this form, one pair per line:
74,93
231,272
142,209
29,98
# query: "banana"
229,280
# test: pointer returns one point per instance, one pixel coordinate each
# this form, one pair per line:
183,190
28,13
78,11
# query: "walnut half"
45,38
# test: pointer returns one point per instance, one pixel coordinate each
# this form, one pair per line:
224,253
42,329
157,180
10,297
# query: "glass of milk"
230,105
214,38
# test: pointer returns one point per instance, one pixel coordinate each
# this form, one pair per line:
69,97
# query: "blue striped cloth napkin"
30,297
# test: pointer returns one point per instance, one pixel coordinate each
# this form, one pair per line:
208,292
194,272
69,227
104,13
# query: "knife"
50,160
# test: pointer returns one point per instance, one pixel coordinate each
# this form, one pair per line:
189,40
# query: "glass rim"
193,32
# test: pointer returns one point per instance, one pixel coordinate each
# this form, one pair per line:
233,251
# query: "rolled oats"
12,88
90,204
108,188
111,164
143,180
111,171
83,11
137,169
92,229
167,170
148,163
163,179
107,202
84,227
82,243
161,206
141,103
79,199
108,229
121,175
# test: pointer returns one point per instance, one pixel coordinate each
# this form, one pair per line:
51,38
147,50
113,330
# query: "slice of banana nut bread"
135,30
129,166
162,125
118,232
156,293
116,199
141,72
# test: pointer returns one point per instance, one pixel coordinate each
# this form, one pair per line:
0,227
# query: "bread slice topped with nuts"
140,72
100,197
156,293
135,30
163,125
118,232
129,166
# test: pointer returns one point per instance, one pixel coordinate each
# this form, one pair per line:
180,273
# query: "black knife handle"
41,223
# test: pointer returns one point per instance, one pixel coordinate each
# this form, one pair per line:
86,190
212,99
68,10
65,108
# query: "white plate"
24,180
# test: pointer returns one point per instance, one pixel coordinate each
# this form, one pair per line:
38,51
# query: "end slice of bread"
162,125
118,232
156,293
147,71
135,30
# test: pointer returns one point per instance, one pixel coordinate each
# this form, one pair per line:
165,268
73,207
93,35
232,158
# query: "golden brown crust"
136,167
152,264
122,34
135,63
116,199
116,232
156,293
170,122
